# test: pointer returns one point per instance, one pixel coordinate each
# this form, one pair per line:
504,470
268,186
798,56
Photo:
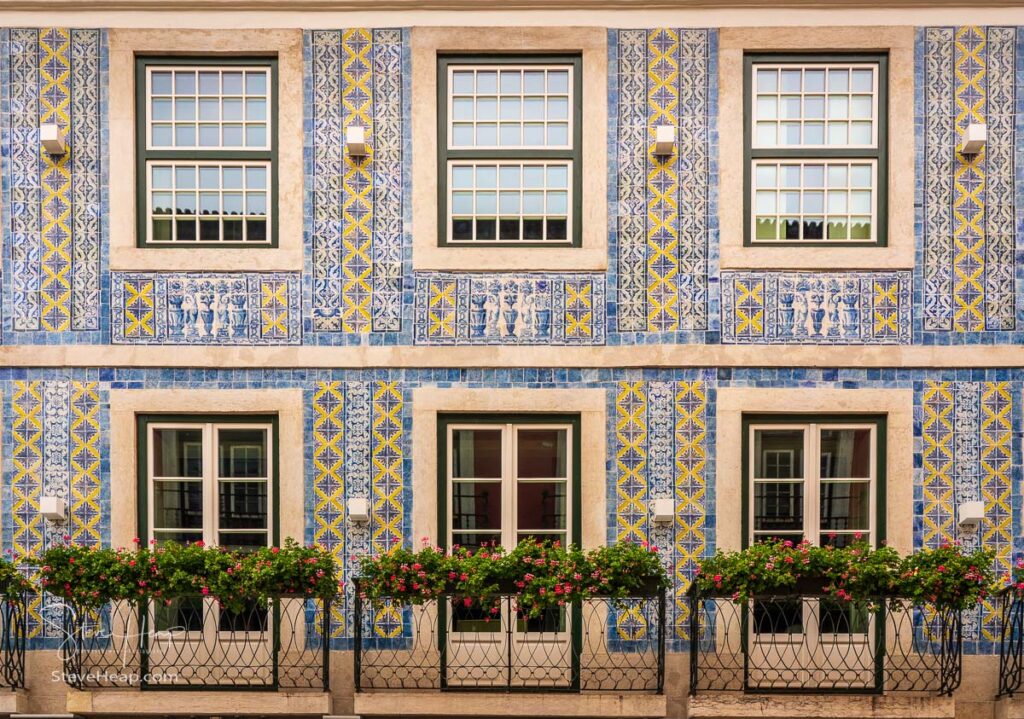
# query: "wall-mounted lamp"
53,508
663,510
970,515
53,138
664,139
358,509
974,138
355,141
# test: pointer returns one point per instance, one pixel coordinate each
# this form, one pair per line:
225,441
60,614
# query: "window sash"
811,480
509,482
210,479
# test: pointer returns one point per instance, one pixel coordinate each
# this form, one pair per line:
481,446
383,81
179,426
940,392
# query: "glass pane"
243,505
181,615
242,452
779,454
476,505
844,539
842,617
179,537
476,453
475,540
475,619
177,452
177,504
242,540
845,453
542,453
253,618
779,616
541,505
778,506
845,505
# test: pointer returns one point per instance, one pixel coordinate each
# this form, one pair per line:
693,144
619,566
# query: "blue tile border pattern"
524,309
206,308
816,307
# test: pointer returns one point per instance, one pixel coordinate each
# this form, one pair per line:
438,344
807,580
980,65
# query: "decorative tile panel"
967,454
54,444
356,208
968,238
464,308
206,308
53,231
816,308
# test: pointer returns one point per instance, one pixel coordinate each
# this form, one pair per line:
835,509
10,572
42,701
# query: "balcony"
605,656
277,649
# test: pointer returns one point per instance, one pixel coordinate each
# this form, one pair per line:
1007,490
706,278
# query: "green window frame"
859,155
878,478
143,422
573,154
144,155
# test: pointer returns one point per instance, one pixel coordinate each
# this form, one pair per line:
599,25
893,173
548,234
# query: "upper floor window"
815,136
206,149
509,150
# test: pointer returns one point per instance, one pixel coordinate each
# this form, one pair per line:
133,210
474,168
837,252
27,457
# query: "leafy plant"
92,576
540,575
857,572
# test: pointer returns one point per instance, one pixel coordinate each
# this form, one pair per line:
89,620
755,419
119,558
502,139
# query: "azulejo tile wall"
660,437
357,213
970,277
816,308
206,308
663,213
54,236
462,308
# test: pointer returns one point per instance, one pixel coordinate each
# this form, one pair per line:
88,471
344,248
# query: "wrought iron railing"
1011,642
12,641
598,644
812,643
192,643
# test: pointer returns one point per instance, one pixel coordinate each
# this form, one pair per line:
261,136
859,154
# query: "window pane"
220,95
532,104
779,454
177,452
475,540
476,453
476,505
242,540
778,506
845,453
243,505
845,505
242,452
540,505
177,504
249,183
542,453
179,537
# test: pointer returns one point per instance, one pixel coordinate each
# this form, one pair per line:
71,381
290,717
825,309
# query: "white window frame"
210,477
812,480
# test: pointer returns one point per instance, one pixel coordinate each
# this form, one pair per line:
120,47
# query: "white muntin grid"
509,201
509,106
815,200
203,107
827,105
209,202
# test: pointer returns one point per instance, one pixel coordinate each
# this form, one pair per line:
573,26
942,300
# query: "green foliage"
858,572
92,576
541,575
12,579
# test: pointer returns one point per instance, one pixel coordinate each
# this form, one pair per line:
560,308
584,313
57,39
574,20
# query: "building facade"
733,255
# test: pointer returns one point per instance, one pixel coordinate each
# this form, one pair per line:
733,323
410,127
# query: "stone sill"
477,704
736,705
1009,707
13,702
128,702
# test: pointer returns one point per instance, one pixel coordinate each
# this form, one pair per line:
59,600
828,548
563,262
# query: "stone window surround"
425,44
899,42
590,404
125,44
125,404
896,404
